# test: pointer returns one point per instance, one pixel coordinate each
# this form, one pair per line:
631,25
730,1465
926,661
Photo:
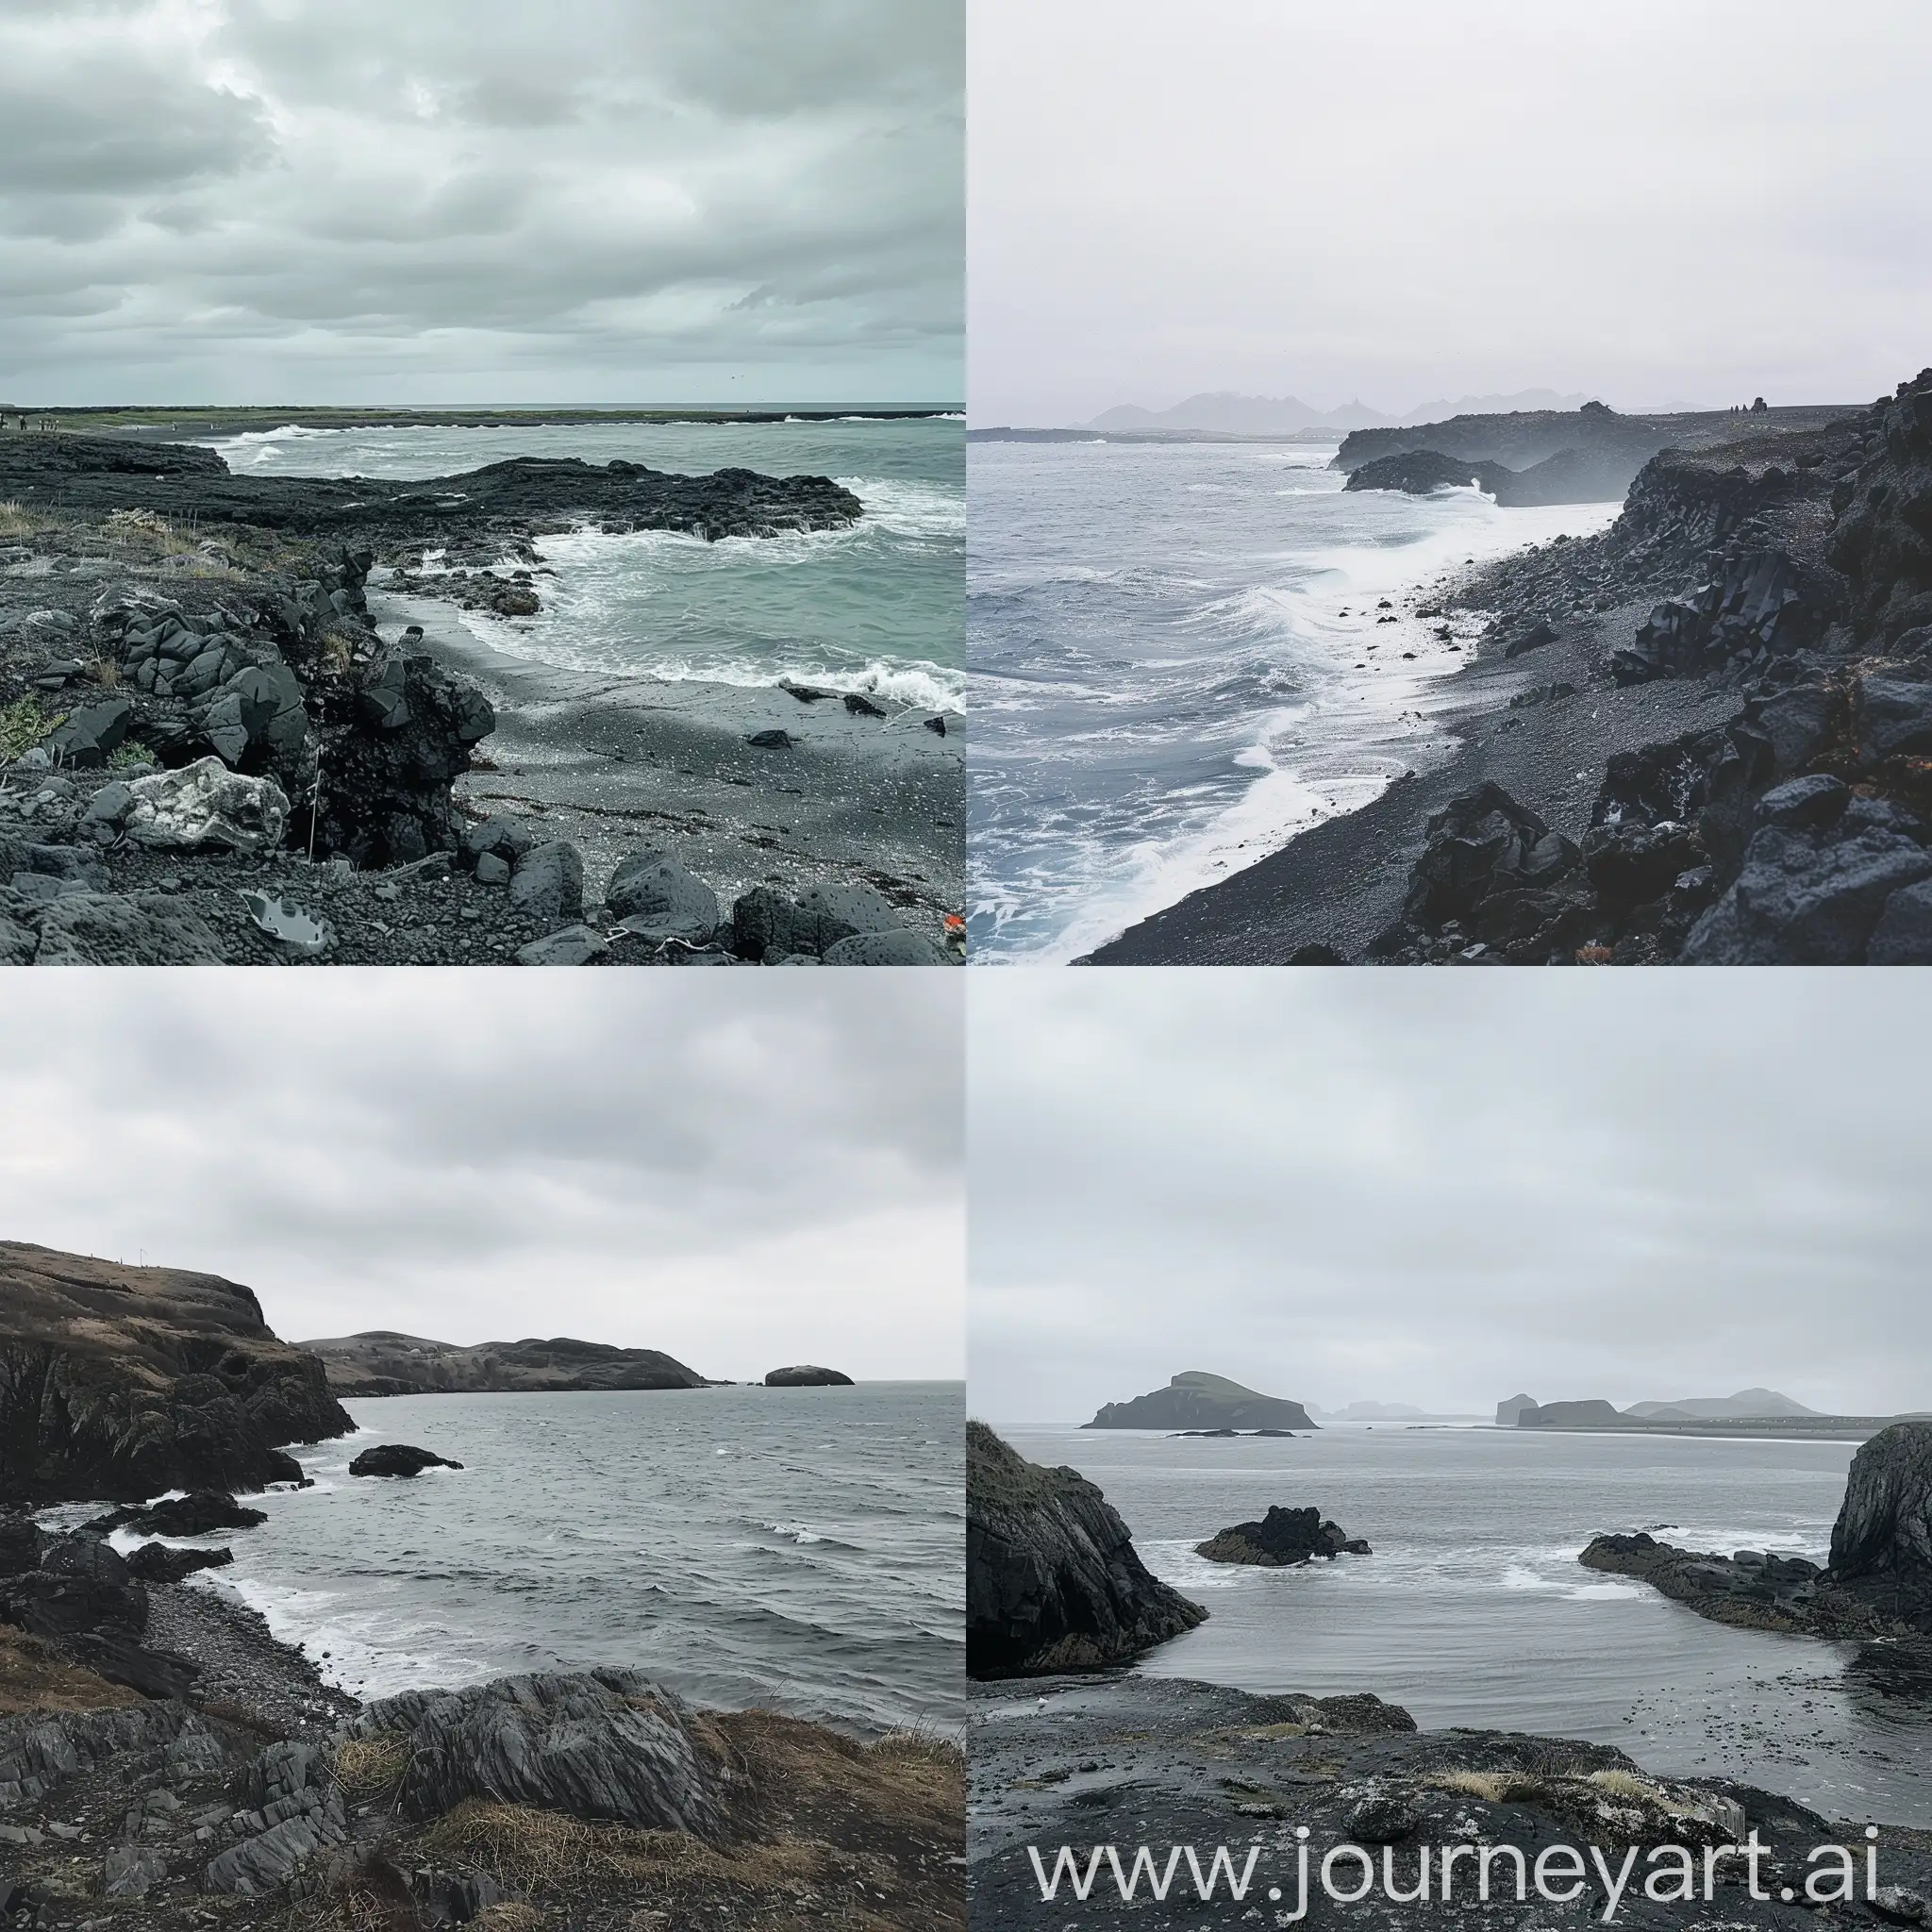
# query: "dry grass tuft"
1491,1787
368,1768
917,1746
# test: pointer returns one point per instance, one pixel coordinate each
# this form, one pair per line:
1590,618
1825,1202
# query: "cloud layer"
1447,1188
1652,202
745,1174
482,201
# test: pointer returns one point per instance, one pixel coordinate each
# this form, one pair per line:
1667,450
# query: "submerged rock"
1053,1581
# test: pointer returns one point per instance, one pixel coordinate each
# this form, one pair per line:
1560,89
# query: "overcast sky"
612,201
1647,201
1446,1189
745,1170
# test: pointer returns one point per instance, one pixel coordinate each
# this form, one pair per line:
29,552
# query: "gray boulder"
18,944
548,882
1894,718
1903,936
91,735
654,895
896,948
575,945
132,1872
294,1810
504,838
205,805
607,1745
493,868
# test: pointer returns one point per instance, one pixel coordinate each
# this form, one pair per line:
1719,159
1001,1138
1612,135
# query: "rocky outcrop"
1593,1412
1568,475
1281,1538
398,1459
124,1382
609,1745
1881,1544
1196,1400
1052,1582
807,1377
1751,1588
382,1362
200,1512
85,1598
1526,439
1510,1409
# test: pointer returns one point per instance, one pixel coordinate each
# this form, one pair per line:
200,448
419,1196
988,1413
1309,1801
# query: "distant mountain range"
1224,412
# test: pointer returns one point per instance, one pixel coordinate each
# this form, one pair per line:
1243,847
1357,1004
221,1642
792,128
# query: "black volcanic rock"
382,1362
1752,1589
124,1382
1052,1582
1281,1538
1196,1400
807,1377
1881,1544
164,1563
398,1459
1418,471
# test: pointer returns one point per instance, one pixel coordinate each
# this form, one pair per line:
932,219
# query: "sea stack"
1881,1544
1052,1582
1509,1410
805,1376
1281,1538
1196,1400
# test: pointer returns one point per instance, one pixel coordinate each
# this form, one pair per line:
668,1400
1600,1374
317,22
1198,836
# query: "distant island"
1196,1400
1750,1412
382,1362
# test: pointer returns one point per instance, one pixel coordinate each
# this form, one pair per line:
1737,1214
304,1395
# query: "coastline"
610,762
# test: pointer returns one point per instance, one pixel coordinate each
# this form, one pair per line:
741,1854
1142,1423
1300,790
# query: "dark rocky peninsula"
1877,1582
806,1375
1282,1537
124,1382
1052,1582
382,1362
1199,1403
1700,737
234,729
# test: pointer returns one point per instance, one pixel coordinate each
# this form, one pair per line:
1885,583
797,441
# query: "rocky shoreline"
1700,737
215,748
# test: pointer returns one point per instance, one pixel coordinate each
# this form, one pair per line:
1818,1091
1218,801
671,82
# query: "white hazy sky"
1446,1189
598,201
741,1169
1401,200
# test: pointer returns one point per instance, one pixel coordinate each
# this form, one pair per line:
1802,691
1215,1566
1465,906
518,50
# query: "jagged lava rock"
1281,1538
1052,1582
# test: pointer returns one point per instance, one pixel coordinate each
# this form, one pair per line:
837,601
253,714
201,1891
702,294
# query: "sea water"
797,1549
1474,1611
1179,660
877,607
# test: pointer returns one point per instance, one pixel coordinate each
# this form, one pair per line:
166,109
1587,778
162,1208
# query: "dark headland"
1700,737
240,722
1081,1752
165,1762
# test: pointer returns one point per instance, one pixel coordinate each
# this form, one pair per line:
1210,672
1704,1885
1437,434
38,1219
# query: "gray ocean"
1473,1610
798,1549
878,608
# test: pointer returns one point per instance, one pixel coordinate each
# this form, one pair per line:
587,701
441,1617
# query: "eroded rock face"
1052,1582
1881,1544
124,1382
603,1745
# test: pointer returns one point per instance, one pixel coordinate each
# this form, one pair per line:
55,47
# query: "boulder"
807,1377
164,1563
1809,897
1053,1581
1903,936
199,1513
548,882
93,733
503,839
206,804
1894,719
398,1459
114,930
1632,865
1281,1538
1478,846
654,895
899,947
1881,1544
575,945
605,1745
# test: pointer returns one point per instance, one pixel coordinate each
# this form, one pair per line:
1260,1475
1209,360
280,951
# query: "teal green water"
880,607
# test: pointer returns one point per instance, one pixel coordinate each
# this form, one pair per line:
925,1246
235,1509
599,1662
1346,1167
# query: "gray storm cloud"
744,1174
1408,201
473,200
1445,1190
